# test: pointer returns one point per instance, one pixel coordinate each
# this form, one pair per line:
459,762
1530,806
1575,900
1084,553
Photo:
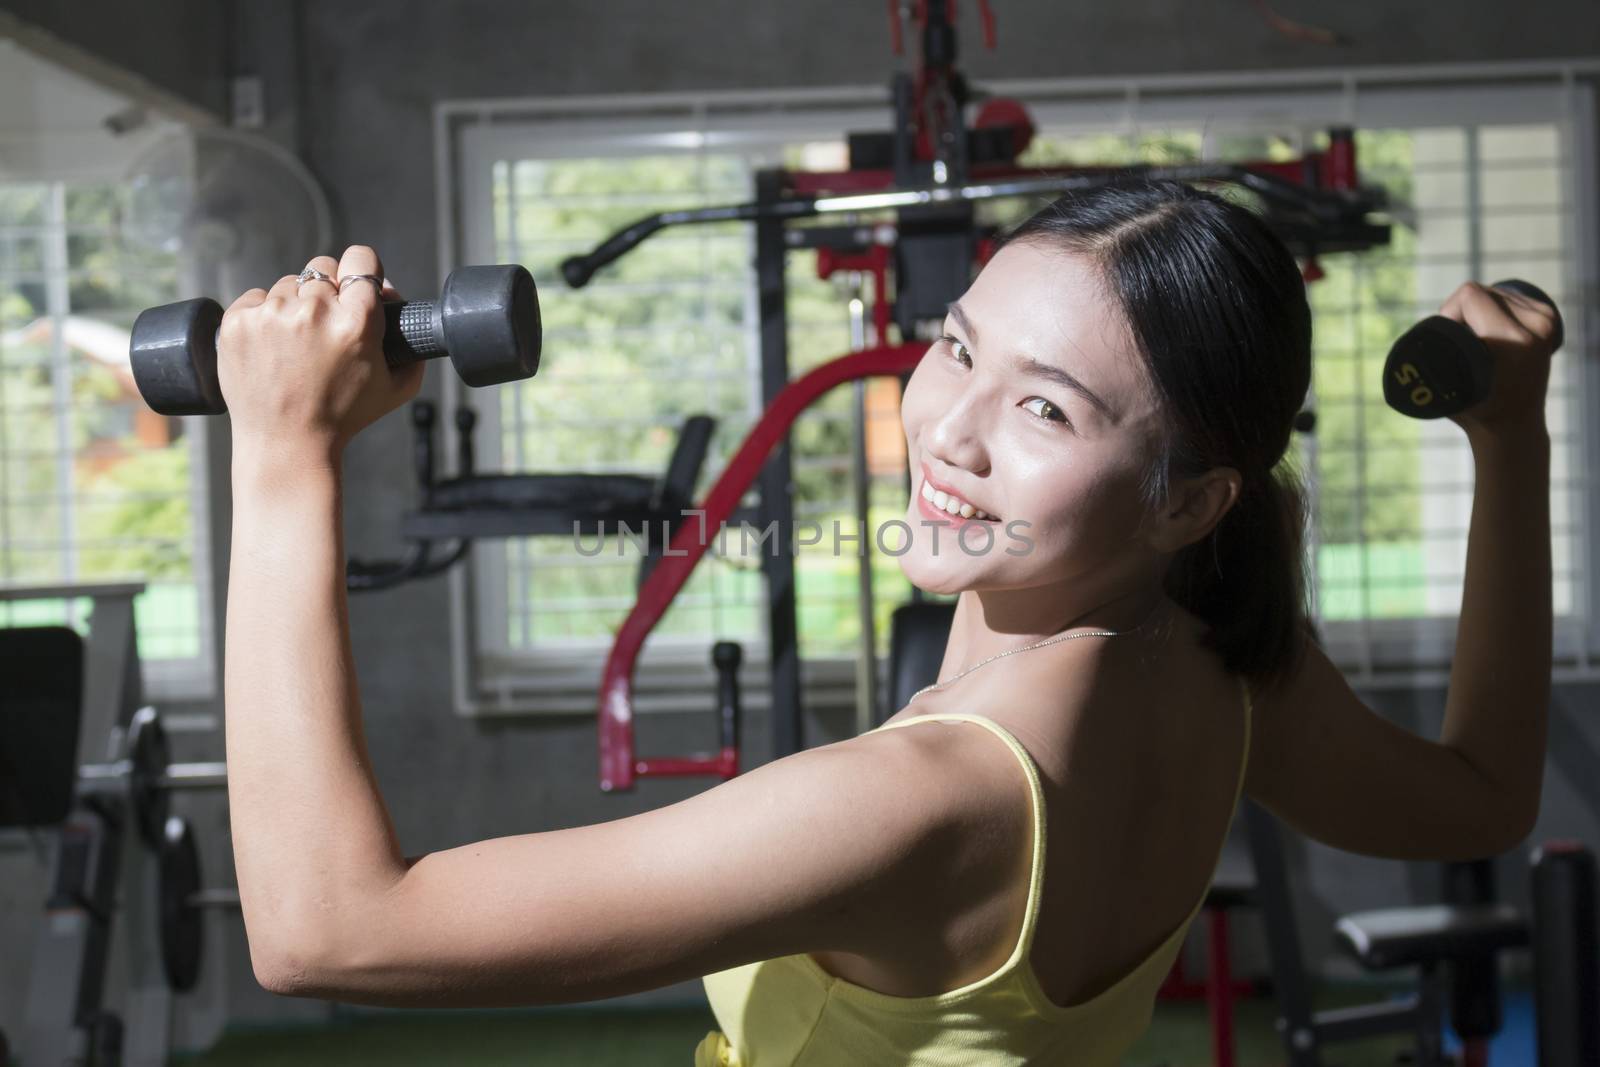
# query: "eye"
1050,413
963,356
958,350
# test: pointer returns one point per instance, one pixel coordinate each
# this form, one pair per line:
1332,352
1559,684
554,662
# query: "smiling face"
1034,408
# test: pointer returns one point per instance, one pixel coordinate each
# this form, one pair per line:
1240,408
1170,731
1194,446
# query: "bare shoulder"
975,781
966,756
970,889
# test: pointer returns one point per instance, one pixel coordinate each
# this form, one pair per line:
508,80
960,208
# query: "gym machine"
84,761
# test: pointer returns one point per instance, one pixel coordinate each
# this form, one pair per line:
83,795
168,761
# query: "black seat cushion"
41,698
1403,937
917,636
591,493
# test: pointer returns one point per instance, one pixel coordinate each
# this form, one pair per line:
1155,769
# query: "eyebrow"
1040,369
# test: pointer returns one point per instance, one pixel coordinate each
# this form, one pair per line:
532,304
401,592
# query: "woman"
1111,402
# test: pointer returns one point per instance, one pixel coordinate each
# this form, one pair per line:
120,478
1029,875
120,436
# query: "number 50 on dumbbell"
486,321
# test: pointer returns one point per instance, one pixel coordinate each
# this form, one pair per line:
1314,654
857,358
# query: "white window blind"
93,485
1490,182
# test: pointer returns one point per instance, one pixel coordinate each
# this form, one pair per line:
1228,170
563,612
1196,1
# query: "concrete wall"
364,80
172,54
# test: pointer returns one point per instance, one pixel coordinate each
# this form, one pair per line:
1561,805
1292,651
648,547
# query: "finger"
359,259
1487,314
1481,310
318,288
390,292
1451,308
283,288
249,298
406,380
1536,316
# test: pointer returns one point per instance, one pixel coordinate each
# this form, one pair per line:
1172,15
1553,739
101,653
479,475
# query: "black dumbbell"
1440,367
486,321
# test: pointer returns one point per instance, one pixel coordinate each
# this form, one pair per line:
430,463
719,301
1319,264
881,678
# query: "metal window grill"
667,333
93,485
1392,498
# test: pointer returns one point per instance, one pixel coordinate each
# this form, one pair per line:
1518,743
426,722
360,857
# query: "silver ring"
377,282
312,274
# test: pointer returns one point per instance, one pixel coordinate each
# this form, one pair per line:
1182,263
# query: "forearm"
313,844
1496,709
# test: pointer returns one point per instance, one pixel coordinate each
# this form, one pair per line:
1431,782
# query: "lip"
927,508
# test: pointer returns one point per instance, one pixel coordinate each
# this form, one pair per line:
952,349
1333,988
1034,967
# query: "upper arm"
798,855
1335,770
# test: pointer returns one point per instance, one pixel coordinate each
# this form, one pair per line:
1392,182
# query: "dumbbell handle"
412,332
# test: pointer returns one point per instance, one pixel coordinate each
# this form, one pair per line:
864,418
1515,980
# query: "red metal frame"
618,764
1219,989
873,262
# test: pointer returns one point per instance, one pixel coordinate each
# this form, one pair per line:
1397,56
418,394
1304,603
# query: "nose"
955,437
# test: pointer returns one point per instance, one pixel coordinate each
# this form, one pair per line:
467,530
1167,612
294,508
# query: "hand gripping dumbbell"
1440,367
486,321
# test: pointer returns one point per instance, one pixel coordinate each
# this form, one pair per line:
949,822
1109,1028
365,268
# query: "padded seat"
1403,937
589,493
534,504
918,632
41,701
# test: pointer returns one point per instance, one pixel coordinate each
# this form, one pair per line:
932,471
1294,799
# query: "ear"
1194,507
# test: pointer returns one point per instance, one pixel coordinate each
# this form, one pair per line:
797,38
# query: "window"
94,485
1394,495
1487,183
663,334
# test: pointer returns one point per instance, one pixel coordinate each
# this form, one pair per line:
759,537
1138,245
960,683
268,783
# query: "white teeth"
947,503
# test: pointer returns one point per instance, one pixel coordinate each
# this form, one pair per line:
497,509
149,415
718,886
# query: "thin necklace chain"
1028,648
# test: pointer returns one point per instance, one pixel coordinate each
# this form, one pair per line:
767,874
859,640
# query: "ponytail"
1246,579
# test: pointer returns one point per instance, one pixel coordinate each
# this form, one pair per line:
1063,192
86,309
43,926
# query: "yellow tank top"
789,1012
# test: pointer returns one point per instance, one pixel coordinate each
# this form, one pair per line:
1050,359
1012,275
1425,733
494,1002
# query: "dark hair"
1217,308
